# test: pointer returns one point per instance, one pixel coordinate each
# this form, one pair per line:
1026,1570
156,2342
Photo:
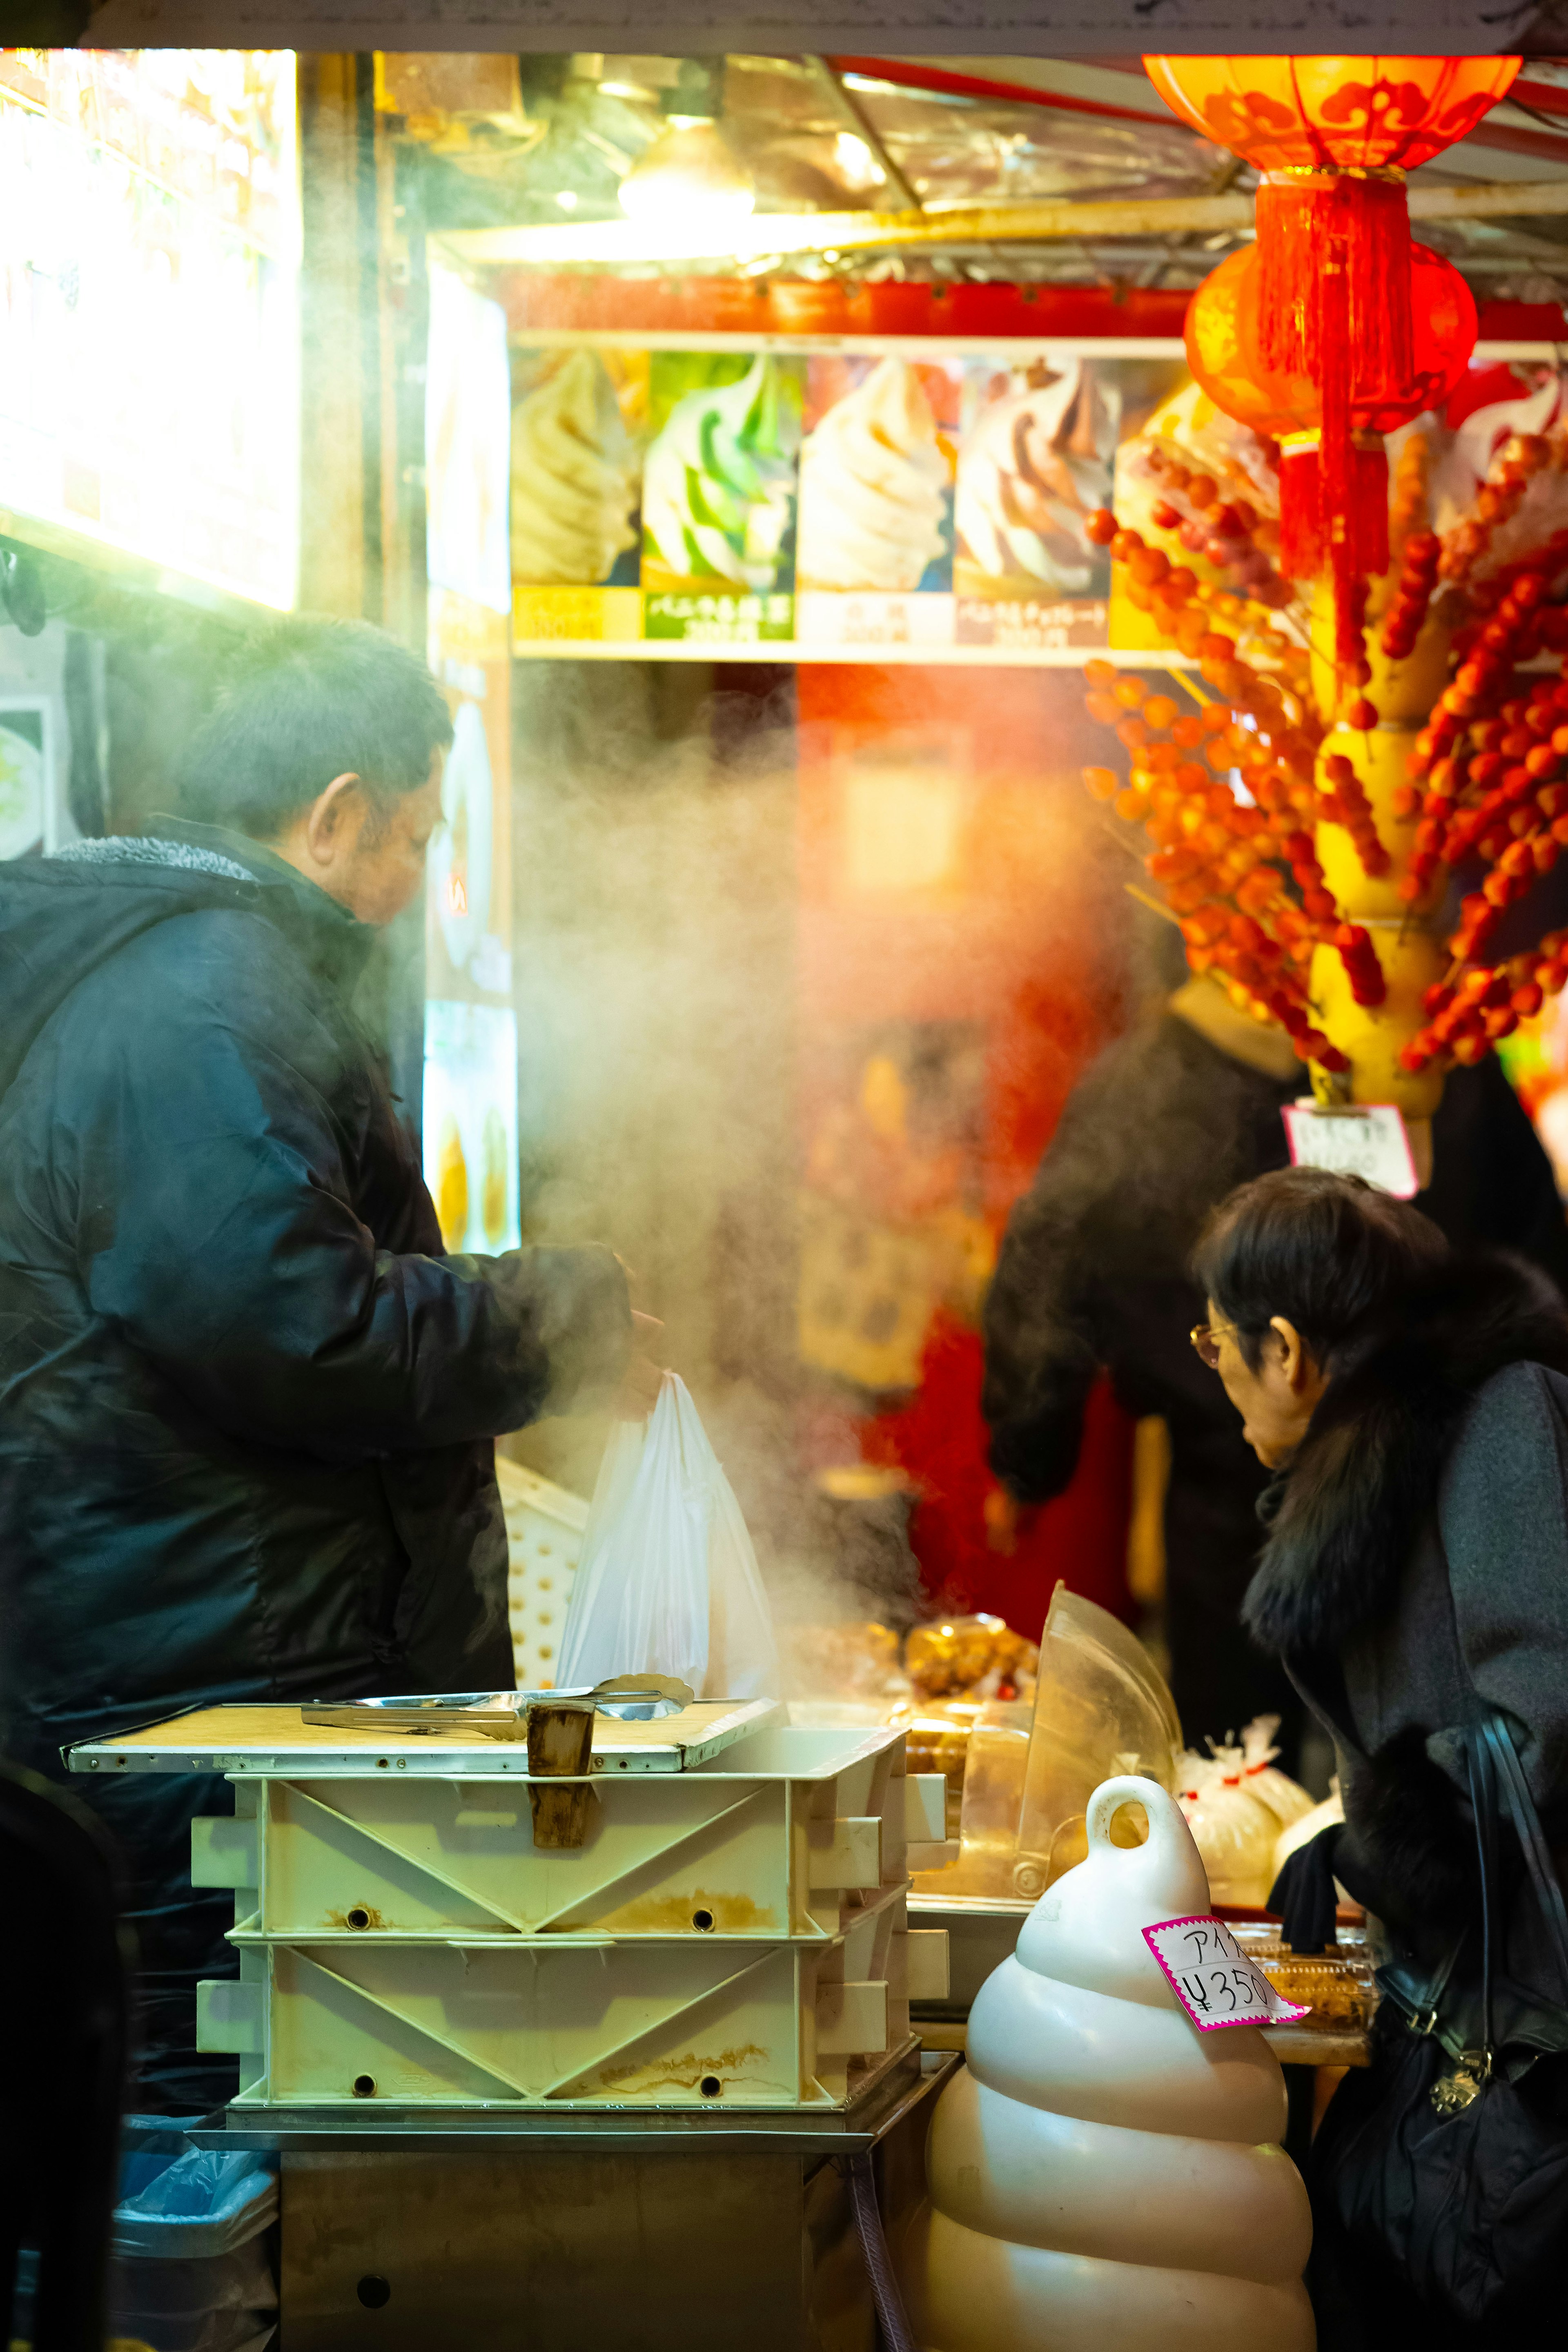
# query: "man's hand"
641,1382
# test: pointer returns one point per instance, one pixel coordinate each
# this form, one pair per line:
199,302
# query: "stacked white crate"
733,1932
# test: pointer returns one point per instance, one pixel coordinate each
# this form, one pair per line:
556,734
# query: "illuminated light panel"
688,180
150,236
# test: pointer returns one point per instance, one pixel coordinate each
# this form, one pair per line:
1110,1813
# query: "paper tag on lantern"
1213,1979
1368,1140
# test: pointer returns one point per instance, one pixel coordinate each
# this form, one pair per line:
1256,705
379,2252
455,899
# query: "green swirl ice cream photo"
573,478
718,483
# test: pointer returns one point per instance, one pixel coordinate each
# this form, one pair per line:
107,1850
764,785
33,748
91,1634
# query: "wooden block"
560,1739
562,1816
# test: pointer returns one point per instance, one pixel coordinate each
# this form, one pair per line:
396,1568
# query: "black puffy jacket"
247,1401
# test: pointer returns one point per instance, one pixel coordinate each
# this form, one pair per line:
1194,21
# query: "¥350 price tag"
1369,1141
1213,1979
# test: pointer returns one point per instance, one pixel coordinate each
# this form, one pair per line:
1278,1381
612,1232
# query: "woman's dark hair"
307,700
1329,1253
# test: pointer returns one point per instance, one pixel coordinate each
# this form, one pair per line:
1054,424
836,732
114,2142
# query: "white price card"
1213,1979
1367,1140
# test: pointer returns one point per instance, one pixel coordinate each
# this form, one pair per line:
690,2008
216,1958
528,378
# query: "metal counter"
651,2233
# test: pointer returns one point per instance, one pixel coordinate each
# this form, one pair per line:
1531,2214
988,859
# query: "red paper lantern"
1221,336
1335,259
1224,344
1443,325
1225,353
1365,114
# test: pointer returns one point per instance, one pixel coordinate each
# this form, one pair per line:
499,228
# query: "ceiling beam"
765,235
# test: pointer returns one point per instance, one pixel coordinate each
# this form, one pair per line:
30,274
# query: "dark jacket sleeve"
1503,1512
1040,1352
219,1234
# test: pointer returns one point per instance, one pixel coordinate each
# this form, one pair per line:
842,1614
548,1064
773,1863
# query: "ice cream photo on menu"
719,482
1035,458
576,464
876,474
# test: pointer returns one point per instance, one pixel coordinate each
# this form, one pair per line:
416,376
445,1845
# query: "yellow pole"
1411,954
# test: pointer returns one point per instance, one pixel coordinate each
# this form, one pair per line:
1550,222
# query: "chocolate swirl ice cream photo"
1038,446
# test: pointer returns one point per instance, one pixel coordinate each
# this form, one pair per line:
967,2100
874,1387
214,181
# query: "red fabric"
1021,939
940,1440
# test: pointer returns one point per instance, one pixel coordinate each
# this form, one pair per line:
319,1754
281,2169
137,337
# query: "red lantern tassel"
1333,254
1302,545
1334,306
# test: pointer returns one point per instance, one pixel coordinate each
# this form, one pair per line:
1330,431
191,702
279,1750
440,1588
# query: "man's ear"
324,820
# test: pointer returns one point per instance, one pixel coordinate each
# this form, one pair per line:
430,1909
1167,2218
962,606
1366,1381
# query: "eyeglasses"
1206,1338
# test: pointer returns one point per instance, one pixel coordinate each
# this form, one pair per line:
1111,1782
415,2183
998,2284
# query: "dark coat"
1093,1272
1416,1572
247,1399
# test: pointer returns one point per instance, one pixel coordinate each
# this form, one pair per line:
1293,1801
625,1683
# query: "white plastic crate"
340,2024
784,1834
735,1930
544,1526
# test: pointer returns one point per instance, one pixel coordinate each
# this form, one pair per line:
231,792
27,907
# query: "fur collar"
1342,1517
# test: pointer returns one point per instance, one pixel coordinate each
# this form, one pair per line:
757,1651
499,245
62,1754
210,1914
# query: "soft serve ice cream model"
1102,2176
873,486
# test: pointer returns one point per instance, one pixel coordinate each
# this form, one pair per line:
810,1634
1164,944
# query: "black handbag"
1439,2177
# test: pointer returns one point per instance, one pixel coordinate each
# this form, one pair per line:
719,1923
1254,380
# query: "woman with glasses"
1414,1407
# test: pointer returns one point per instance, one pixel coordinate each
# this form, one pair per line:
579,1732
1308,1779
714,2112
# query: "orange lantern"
1443,327
1225,353
1337,135
1221,335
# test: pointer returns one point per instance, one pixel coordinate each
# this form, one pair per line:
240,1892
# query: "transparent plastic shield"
1101,1709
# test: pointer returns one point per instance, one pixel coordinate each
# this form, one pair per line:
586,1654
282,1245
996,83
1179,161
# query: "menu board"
892,502
149,324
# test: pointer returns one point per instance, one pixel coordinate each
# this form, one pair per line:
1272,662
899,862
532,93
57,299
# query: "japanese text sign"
1213,1979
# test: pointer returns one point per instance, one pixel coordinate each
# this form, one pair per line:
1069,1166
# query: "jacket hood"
1342,1515
63,917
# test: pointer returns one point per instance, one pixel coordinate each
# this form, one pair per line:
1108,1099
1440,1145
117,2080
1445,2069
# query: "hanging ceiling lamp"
1335,138
689,174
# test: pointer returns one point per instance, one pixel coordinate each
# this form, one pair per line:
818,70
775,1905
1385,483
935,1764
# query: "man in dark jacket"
247,1401
1093,1272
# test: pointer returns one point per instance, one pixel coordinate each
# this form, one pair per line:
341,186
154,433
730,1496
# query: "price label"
1369,1141
1213,1979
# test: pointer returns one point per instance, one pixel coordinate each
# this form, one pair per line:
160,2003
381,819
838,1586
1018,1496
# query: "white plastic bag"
667,1581
1286,1799
1233,1830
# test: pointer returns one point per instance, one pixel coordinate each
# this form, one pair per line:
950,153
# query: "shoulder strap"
1498,1741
